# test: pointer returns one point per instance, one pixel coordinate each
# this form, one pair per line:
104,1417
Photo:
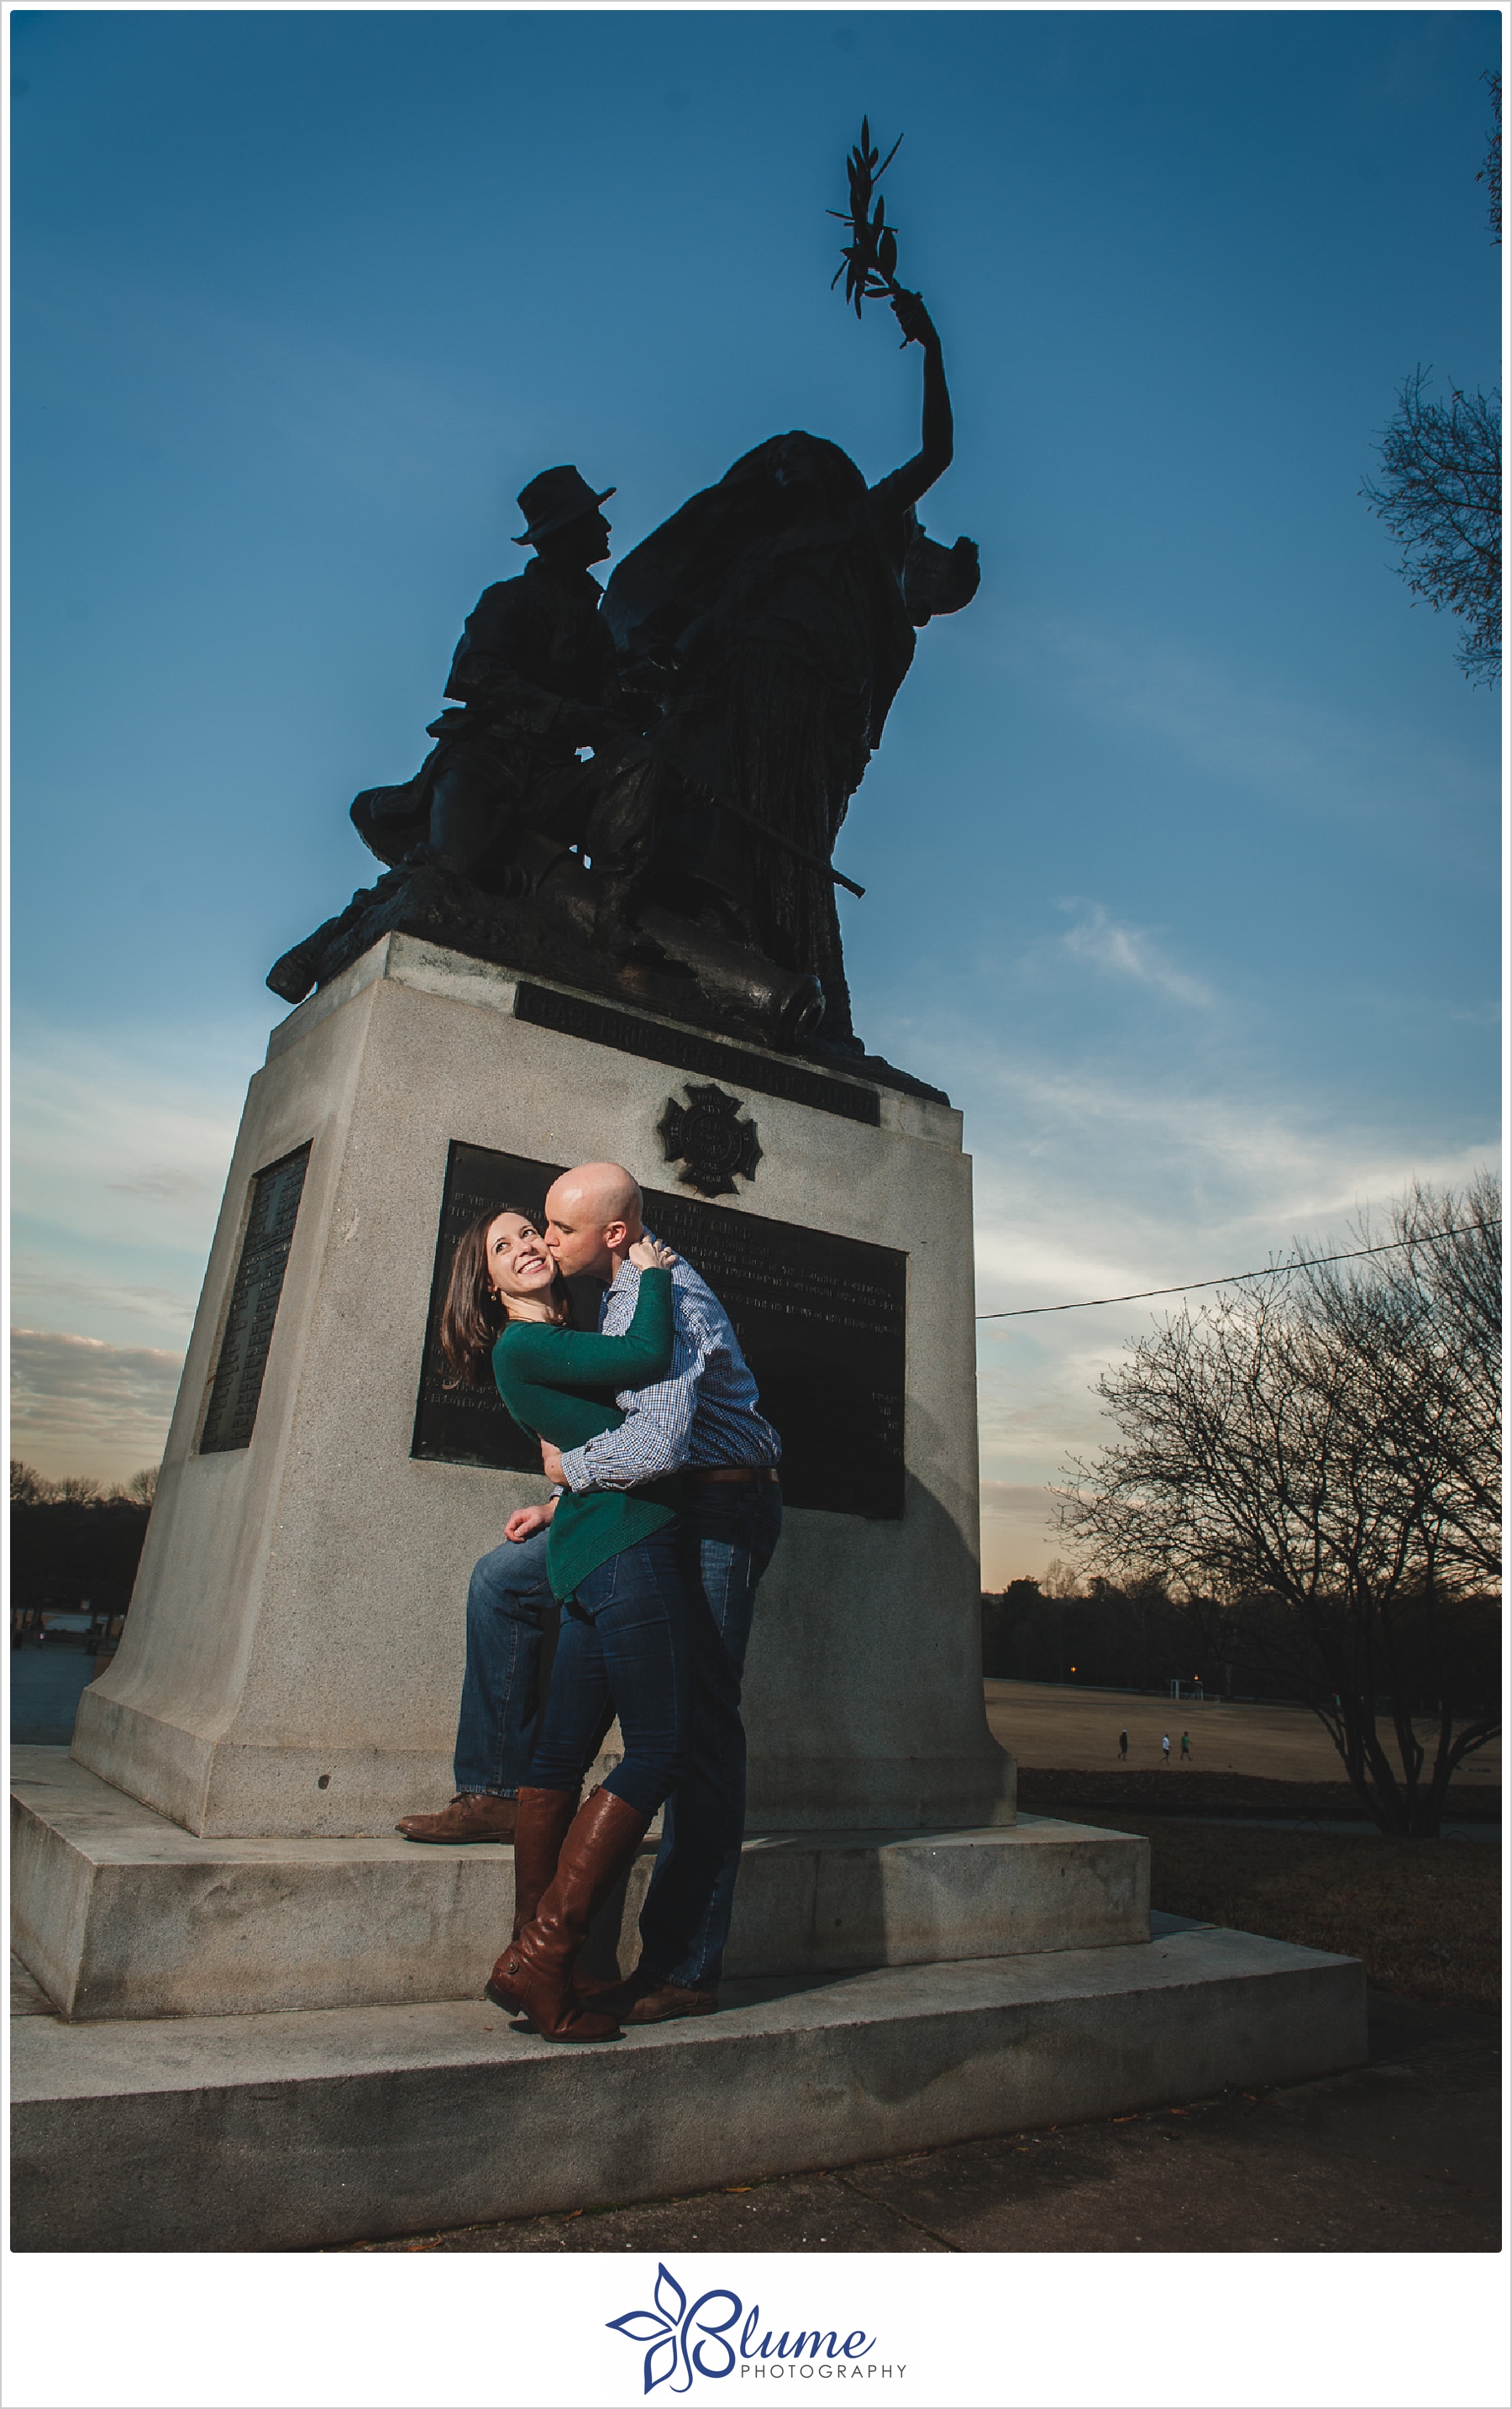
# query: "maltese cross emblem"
708,1137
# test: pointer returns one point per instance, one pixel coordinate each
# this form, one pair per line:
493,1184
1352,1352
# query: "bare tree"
140,1488
79,1489
1490,175
1061,1579
1422,1333
1298,1462
1440,493
1440,490
29,1487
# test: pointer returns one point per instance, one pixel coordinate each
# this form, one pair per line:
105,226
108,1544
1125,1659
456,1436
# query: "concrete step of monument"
119,1912
262,2133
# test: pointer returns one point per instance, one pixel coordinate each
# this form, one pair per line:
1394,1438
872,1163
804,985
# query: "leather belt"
737,1472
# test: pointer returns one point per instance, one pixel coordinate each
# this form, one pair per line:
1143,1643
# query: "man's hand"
915,320
551,1465
527,1519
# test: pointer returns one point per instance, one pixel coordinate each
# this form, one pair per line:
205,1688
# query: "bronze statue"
789,594
641,792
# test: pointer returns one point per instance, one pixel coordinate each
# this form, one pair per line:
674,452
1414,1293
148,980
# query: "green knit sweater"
559,1385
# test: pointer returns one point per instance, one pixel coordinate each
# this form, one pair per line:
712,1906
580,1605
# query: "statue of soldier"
532,682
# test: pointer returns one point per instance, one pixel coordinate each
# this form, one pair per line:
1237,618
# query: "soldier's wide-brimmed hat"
553,500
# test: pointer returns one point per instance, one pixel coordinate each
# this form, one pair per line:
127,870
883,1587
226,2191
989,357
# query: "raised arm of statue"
936,441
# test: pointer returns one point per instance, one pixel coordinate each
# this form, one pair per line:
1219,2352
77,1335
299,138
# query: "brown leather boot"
473,1815
535,1974
544,1820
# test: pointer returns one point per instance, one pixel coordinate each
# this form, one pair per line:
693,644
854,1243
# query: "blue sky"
1181,847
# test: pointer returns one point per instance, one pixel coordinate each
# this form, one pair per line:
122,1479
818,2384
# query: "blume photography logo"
699,2339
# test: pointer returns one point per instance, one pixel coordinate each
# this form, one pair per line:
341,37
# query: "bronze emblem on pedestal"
707,1135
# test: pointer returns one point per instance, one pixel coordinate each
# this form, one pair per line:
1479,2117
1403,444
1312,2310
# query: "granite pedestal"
119,1912
293,1658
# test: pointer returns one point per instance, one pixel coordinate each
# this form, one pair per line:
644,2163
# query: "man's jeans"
622,1650
510,1611
729,1535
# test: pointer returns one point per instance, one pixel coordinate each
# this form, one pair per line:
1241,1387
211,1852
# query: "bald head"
593,1218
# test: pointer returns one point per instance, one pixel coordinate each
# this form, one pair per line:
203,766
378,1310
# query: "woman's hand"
527,1519
915,320
650,1255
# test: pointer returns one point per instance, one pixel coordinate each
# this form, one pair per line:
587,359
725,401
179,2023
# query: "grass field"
1053,1724
1422,1916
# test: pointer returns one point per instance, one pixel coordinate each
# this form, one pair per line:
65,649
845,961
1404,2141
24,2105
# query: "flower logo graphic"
667,2327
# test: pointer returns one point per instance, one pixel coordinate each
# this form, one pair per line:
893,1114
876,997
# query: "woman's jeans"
730,1533
511,1612
622,1650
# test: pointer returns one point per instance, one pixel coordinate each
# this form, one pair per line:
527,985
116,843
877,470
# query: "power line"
1231,1279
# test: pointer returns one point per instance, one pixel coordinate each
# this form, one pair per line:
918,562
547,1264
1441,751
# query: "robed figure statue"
788,596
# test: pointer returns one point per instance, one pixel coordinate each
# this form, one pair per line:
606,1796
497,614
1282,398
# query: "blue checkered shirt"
703,1413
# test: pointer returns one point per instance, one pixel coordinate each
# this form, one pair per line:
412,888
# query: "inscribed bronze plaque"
254,1304
821,1321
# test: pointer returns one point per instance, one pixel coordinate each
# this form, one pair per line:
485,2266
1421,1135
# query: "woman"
789,592
612,1559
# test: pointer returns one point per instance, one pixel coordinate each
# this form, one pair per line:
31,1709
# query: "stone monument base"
118,1912
299,2130
293,1654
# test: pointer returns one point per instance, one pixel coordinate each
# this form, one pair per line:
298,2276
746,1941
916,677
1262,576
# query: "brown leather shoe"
473,1815
533,1976
644,1998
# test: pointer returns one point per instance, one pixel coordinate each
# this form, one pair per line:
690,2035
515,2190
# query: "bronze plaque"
254,1304
821,1321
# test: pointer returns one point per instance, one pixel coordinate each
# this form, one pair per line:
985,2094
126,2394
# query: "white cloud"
1130,953
34,1278
78,1404
120,1148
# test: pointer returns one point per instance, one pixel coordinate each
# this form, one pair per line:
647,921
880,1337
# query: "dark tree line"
74,1546
1103,1634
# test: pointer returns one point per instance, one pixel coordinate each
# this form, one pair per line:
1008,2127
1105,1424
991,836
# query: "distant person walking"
1185,1747
1123,1745
1165,1749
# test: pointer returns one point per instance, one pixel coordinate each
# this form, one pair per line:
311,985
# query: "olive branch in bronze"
869,260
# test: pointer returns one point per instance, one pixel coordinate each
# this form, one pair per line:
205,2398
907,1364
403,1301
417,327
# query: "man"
533,682
509,1610
702,1419
533,675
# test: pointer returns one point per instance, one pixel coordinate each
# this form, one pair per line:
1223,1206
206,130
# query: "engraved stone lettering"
238,1384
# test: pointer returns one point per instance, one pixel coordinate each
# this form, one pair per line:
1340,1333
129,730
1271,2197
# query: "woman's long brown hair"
472,1316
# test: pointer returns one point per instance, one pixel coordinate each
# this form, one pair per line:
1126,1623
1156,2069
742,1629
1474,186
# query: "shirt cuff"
575,1472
